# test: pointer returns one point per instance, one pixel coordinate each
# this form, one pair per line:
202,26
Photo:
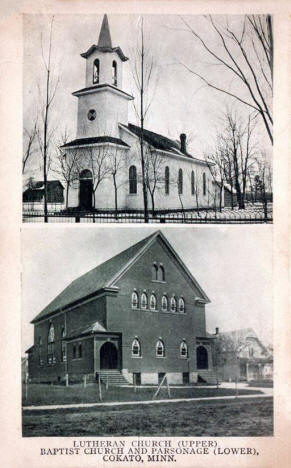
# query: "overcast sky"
181,102
232,264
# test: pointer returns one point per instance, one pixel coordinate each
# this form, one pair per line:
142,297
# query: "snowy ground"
253,213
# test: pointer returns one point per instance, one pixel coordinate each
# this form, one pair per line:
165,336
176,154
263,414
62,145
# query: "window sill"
158,281
77,359
136,357
132,194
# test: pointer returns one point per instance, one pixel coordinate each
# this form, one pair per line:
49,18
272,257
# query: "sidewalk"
266,394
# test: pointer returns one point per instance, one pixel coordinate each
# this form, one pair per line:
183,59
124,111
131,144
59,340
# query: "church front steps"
112,377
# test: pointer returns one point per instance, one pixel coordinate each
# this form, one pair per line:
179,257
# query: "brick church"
136,317
106,157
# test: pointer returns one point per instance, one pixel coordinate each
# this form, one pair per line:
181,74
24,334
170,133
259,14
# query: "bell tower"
102,104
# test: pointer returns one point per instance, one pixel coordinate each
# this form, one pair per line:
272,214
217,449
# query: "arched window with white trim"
181,305
183,349
160,348
63,346
164,303
173,304
144,301
154,272
96,71
40,357
134,300
153,302
161,273
51,358
135,348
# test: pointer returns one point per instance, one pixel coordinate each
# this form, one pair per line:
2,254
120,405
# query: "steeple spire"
104,36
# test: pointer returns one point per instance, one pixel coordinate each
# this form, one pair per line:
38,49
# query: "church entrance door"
86,190
108,356
202,357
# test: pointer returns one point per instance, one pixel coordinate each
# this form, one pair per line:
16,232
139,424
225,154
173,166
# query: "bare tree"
154,173
227,350
116,164
45,133
68,165
142,72
247,56
263,181
99,164
216,164
239,149
29,144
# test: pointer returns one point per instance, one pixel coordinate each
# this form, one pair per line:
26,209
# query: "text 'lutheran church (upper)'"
106,153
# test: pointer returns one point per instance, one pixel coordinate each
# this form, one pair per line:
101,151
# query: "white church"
106,156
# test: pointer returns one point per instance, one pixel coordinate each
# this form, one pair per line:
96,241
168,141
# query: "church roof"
94,140
104,42
161,142
105,276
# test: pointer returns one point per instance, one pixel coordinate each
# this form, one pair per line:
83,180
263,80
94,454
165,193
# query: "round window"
91,114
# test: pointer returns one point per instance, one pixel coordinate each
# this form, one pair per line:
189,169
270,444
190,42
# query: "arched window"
164,303
134,300
181,305
180,182
135,348
63,346
192,183
132,180
161,273
173,304
183,349
51,358
144,301
154,272
114,73
40,358
153,302
167,180
96,71
160,349
204,183
80,350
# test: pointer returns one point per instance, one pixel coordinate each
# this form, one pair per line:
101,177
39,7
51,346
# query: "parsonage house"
105,157
134,318
241,354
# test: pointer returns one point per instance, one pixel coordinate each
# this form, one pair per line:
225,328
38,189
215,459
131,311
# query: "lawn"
219,418
40,394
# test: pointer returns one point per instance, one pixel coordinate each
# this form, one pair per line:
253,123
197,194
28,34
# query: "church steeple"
102,103
104,40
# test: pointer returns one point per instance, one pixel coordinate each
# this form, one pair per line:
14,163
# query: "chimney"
183,142
216,331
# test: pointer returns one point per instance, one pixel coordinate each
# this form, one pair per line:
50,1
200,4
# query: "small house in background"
240,354
33,196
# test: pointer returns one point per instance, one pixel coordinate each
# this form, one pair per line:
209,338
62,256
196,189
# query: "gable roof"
160,142
105,276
